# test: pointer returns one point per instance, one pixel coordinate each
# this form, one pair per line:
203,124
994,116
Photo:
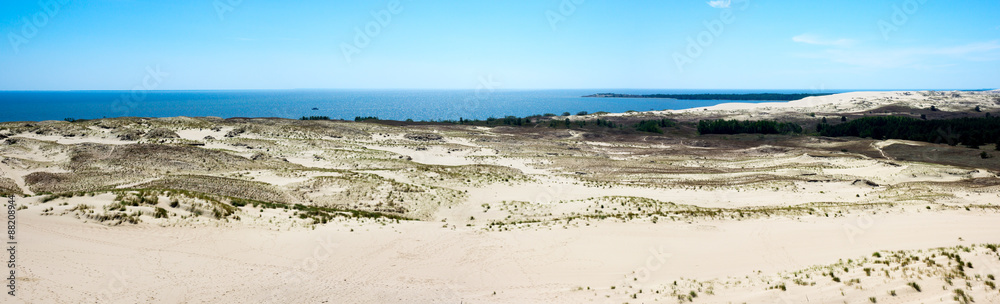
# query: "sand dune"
282,211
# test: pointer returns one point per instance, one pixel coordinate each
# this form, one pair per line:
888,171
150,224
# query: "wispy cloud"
817,40
913,57
266,39
980,47
720,3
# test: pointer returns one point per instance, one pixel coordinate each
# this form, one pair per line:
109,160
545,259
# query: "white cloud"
720,3
915,57
817,40
980,47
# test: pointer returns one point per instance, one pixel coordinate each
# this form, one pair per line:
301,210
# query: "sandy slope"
66,261
851,102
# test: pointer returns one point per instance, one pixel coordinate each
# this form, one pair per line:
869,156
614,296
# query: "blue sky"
514,44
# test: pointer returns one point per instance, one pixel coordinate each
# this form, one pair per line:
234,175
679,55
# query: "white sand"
851,102
422,262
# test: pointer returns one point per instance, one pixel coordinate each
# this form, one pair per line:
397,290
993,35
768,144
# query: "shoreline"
848,102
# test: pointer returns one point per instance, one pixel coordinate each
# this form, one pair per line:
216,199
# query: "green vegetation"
506,121
553,121
220,206
519,121
962,297
318,214
605,123
160,213
117,217
722,126
971,132
365,118
626,208
52,197
751,96
315,118
654,126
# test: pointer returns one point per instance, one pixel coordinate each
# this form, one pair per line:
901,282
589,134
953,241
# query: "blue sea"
418,105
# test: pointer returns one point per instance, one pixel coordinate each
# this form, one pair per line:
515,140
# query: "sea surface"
418,105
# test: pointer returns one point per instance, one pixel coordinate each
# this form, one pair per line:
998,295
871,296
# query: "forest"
722,126
969,132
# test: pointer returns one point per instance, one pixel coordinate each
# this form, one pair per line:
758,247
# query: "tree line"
723,126
969,132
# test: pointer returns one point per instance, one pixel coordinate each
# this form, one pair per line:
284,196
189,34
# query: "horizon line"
508,89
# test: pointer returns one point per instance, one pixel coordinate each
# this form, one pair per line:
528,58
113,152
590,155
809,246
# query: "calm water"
344,104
